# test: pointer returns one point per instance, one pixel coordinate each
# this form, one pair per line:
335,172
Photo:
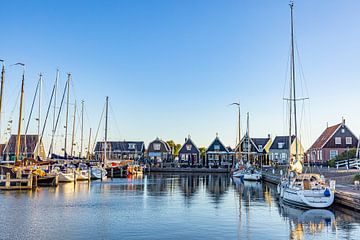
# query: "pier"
346,194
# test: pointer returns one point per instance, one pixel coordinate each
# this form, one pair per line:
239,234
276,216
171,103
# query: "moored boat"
97,172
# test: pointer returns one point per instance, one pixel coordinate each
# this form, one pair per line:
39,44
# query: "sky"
172,67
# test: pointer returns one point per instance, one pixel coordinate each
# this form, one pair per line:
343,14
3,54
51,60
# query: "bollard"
112,173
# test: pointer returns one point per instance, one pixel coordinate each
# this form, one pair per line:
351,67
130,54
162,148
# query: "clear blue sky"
171,68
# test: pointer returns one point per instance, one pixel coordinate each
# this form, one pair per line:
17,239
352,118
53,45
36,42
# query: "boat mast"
82,128
54,113
67,113
17,151
39,115
73,132
106,127
293,86
248,138
88,151
2,90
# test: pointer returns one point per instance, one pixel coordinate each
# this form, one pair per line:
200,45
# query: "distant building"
333,141
159,151
279,150
30,149
189,154
120,150
259,148
217,155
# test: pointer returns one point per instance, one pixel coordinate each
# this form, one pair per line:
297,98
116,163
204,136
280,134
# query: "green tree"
202,152
175,148
343,156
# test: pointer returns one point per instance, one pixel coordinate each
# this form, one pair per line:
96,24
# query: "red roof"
325,136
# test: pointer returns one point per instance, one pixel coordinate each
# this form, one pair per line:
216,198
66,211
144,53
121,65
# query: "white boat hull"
307,198
66,177
252,176
82,175
98,173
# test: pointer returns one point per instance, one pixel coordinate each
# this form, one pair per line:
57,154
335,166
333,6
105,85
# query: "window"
321,155
216,147
188,147
348,140
333,153
132,145
156,146
338,140
260,147
283,156
280,145
343,130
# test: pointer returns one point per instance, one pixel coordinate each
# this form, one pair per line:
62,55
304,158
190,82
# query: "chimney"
343,121
269,136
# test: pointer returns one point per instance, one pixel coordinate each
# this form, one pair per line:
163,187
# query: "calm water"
166,207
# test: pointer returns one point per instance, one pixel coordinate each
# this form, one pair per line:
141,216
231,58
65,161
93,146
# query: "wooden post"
112,173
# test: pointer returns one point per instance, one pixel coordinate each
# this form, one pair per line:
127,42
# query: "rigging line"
32,106
98,128
58,116
302,74
114,117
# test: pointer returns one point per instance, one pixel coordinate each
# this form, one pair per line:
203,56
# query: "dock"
345,194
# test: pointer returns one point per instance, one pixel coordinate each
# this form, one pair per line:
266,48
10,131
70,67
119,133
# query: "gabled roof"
164,146
183,148
217,142
255,142
282,139
31,143
325,136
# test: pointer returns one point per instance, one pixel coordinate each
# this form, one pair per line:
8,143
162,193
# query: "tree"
202,152
175,148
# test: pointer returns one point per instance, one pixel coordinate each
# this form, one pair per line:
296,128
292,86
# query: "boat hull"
98,173
66,177
48,181
308,198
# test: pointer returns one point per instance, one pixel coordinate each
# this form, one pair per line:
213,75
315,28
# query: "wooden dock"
16,183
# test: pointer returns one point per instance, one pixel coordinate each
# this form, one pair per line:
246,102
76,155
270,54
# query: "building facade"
258,151
279,150
217,155
333,141
189,154
159,152
120,150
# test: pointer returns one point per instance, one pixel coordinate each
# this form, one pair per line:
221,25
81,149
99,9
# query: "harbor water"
167,206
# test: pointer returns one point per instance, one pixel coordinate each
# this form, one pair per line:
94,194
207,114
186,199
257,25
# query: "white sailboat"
298,188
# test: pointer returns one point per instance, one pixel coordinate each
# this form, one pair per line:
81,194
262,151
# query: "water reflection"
164,206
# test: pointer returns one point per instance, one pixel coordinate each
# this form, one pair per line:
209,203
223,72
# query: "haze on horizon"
171,68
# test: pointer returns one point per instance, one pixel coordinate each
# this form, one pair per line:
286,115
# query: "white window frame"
348,140
157,146
333,154
337,140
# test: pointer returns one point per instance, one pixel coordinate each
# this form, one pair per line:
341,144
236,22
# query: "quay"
346,194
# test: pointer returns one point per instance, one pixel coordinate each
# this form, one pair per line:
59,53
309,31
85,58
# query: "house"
159,151
217,154
189,154
333,141
259,148
29,148
120,150
279,150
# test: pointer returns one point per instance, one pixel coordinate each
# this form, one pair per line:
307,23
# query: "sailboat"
250,173
99,171
307,190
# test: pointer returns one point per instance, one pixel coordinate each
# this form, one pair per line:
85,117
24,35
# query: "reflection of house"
120,150
159,151
189,154
217,154
259,148
333,141
28,150
279,150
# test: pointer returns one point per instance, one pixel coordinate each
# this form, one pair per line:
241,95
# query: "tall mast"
54,113
2,90
106,128
73,132
82,128
39,115
292,85
67,113
17,151
239,133
88,151
248,138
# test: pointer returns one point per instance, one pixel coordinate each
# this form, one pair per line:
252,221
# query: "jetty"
188,170
346,194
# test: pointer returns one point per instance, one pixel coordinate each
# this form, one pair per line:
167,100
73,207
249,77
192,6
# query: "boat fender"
327,192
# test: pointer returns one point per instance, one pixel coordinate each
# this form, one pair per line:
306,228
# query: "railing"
349,163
